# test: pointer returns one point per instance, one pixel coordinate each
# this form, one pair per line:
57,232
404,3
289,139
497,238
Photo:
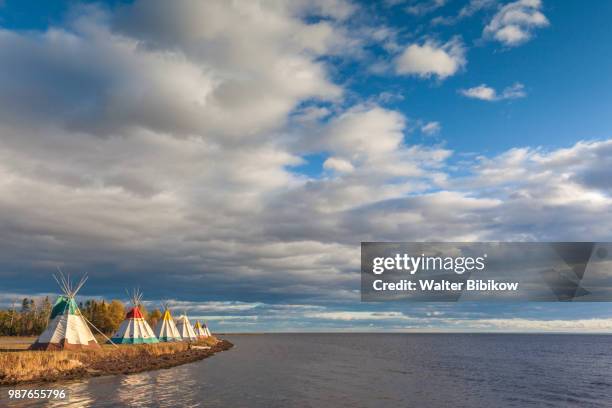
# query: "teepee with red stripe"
135,329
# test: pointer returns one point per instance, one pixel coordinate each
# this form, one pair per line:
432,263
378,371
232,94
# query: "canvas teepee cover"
199,330
207,329
67,328
134,329
184,327
166,329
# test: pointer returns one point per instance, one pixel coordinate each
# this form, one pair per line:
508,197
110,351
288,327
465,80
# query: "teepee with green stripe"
135,329
67,329
166,330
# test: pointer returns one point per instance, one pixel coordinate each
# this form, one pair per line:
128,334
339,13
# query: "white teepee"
67,327
166,329
134,329
200,331
207,329
184,327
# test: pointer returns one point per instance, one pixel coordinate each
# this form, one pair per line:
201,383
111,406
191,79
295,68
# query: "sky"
231,156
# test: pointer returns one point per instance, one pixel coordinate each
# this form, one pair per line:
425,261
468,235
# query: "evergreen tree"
25,305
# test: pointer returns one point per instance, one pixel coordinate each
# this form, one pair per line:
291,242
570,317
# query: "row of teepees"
68,328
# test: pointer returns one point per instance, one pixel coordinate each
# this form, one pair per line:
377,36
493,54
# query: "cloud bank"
158,144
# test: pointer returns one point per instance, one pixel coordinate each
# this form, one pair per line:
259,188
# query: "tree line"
31,316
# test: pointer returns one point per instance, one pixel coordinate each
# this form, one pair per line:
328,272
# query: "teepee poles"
70,291
98,330
65,283
135,297
67,327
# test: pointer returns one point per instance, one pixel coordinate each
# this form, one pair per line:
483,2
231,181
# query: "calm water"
371,370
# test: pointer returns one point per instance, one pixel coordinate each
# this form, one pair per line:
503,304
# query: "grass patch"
26,366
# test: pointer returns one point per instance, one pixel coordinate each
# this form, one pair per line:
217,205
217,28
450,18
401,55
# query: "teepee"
200,331
166,329
134,329
184,327
67,329
207,329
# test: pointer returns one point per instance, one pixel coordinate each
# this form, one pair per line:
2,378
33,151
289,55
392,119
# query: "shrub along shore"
21,366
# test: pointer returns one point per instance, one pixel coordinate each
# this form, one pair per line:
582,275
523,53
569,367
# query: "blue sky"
232,156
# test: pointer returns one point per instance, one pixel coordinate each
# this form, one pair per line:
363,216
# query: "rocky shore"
123,360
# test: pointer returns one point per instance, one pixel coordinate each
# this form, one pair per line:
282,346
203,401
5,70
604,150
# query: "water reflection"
80,397
175,387
135,390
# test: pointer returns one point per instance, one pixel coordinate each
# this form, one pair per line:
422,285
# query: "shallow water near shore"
369,370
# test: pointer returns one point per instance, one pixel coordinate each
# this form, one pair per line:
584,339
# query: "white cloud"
535,325
424,7
339,9
482,91
364,131
432,59
186,68
515,91
339,165
357,315
486,93
435,321
475,6
466,11
431,128
211,306
515,22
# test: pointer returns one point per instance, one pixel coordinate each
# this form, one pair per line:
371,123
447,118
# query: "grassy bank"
17,365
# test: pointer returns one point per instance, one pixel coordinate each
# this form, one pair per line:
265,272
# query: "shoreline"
125,360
